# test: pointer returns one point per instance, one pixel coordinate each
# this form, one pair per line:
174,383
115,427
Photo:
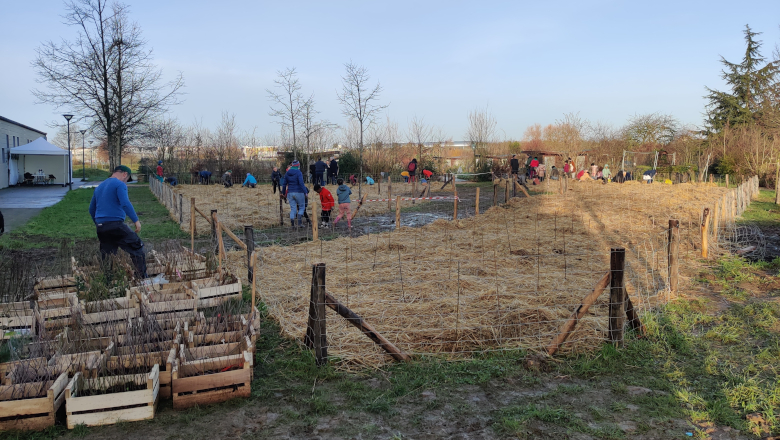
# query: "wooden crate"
108,409
165,359
207,332
54,283
109,310
212,292
167,299
203,382
31,413
21,371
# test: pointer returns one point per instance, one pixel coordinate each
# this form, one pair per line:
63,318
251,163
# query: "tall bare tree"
106,75
481,131
359,102
311,127
287,102
418,133
163,137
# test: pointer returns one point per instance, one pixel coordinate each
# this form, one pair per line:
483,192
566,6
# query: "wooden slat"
210,397
192,368
108,401
111,417
216,380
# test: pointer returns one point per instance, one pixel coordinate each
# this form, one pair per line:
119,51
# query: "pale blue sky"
530,62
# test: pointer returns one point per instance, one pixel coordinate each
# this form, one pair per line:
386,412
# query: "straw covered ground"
506,279
237,206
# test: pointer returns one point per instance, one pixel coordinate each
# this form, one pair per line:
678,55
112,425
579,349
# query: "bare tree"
359,102
311,128
224,142
163,137
481,132
652,128
287,103
418,133
106,75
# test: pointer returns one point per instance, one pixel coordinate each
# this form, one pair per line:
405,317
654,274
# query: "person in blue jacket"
108,208
296,191
250,181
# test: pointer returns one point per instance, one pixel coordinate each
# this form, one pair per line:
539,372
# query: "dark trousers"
332,179
276,185
325,216
317,180
115,235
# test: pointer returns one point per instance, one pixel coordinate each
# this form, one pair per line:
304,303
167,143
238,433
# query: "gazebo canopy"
39,147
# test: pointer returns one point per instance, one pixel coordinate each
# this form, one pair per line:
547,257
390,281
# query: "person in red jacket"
327,202
159,168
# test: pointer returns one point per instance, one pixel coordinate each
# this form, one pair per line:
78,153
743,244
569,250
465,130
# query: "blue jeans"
297,206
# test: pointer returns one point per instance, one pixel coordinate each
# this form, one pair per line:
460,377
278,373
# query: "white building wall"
13,134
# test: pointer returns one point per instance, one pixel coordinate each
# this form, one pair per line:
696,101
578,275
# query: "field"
504,280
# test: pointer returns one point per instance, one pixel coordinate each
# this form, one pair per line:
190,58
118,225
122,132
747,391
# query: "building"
13,134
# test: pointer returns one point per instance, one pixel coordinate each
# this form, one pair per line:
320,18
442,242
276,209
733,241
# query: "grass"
91,173
69,219
763,211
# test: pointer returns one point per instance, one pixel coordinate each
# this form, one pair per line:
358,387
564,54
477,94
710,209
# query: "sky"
525,62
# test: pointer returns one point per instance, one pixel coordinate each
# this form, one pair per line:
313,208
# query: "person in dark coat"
312,171
275,177
227,179
205,177
515,165
333,171
320,168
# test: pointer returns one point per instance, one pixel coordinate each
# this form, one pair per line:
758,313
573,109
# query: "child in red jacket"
327,202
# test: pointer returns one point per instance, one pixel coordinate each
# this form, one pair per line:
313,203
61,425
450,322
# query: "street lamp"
83,171
70,158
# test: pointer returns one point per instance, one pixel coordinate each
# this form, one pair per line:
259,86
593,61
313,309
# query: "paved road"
21,203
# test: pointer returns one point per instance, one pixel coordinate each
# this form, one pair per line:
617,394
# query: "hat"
229,171
159,162
296,163
125,169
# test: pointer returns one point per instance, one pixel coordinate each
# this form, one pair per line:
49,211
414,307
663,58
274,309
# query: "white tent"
41,155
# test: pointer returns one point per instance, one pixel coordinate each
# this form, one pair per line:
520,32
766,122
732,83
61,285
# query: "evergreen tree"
753,83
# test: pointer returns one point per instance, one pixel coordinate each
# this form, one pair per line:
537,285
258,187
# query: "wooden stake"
673,250
316,335
495,193
360,204
192,225
517,185
314,218
476,206
253,270
727,181
214,230
365,327
617,299
705,222
389,192
397,213
715,221
249,242
568,327
506,193
181,209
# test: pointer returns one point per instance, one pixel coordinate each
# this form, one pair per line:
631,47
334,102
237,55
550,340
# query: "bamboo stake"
397,212
315,219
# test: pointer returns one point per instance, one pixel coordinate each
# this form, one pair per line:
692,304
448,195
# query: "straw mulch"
237,206
506,279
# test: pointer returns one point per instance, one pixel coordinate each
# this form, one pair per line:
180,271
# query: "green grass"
91,173
763,211
69,219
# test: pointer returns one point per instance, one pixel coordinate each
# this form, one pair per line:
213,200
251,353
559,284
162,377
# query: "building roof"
22,125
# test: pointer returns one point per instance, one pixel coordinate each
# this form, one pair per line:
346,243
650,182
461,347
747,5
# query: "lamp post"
83,171
70,159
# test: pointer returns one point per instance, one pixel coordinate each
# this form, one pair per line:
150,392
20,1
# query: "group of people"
534,170
293,189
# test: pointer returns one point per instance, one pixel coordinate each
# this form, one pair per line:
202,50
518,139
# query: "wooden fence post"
727,181
476,206
617,297
181,209
316,334
495,193
397,212
705,222
214,230
673,249
506,193
249,241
